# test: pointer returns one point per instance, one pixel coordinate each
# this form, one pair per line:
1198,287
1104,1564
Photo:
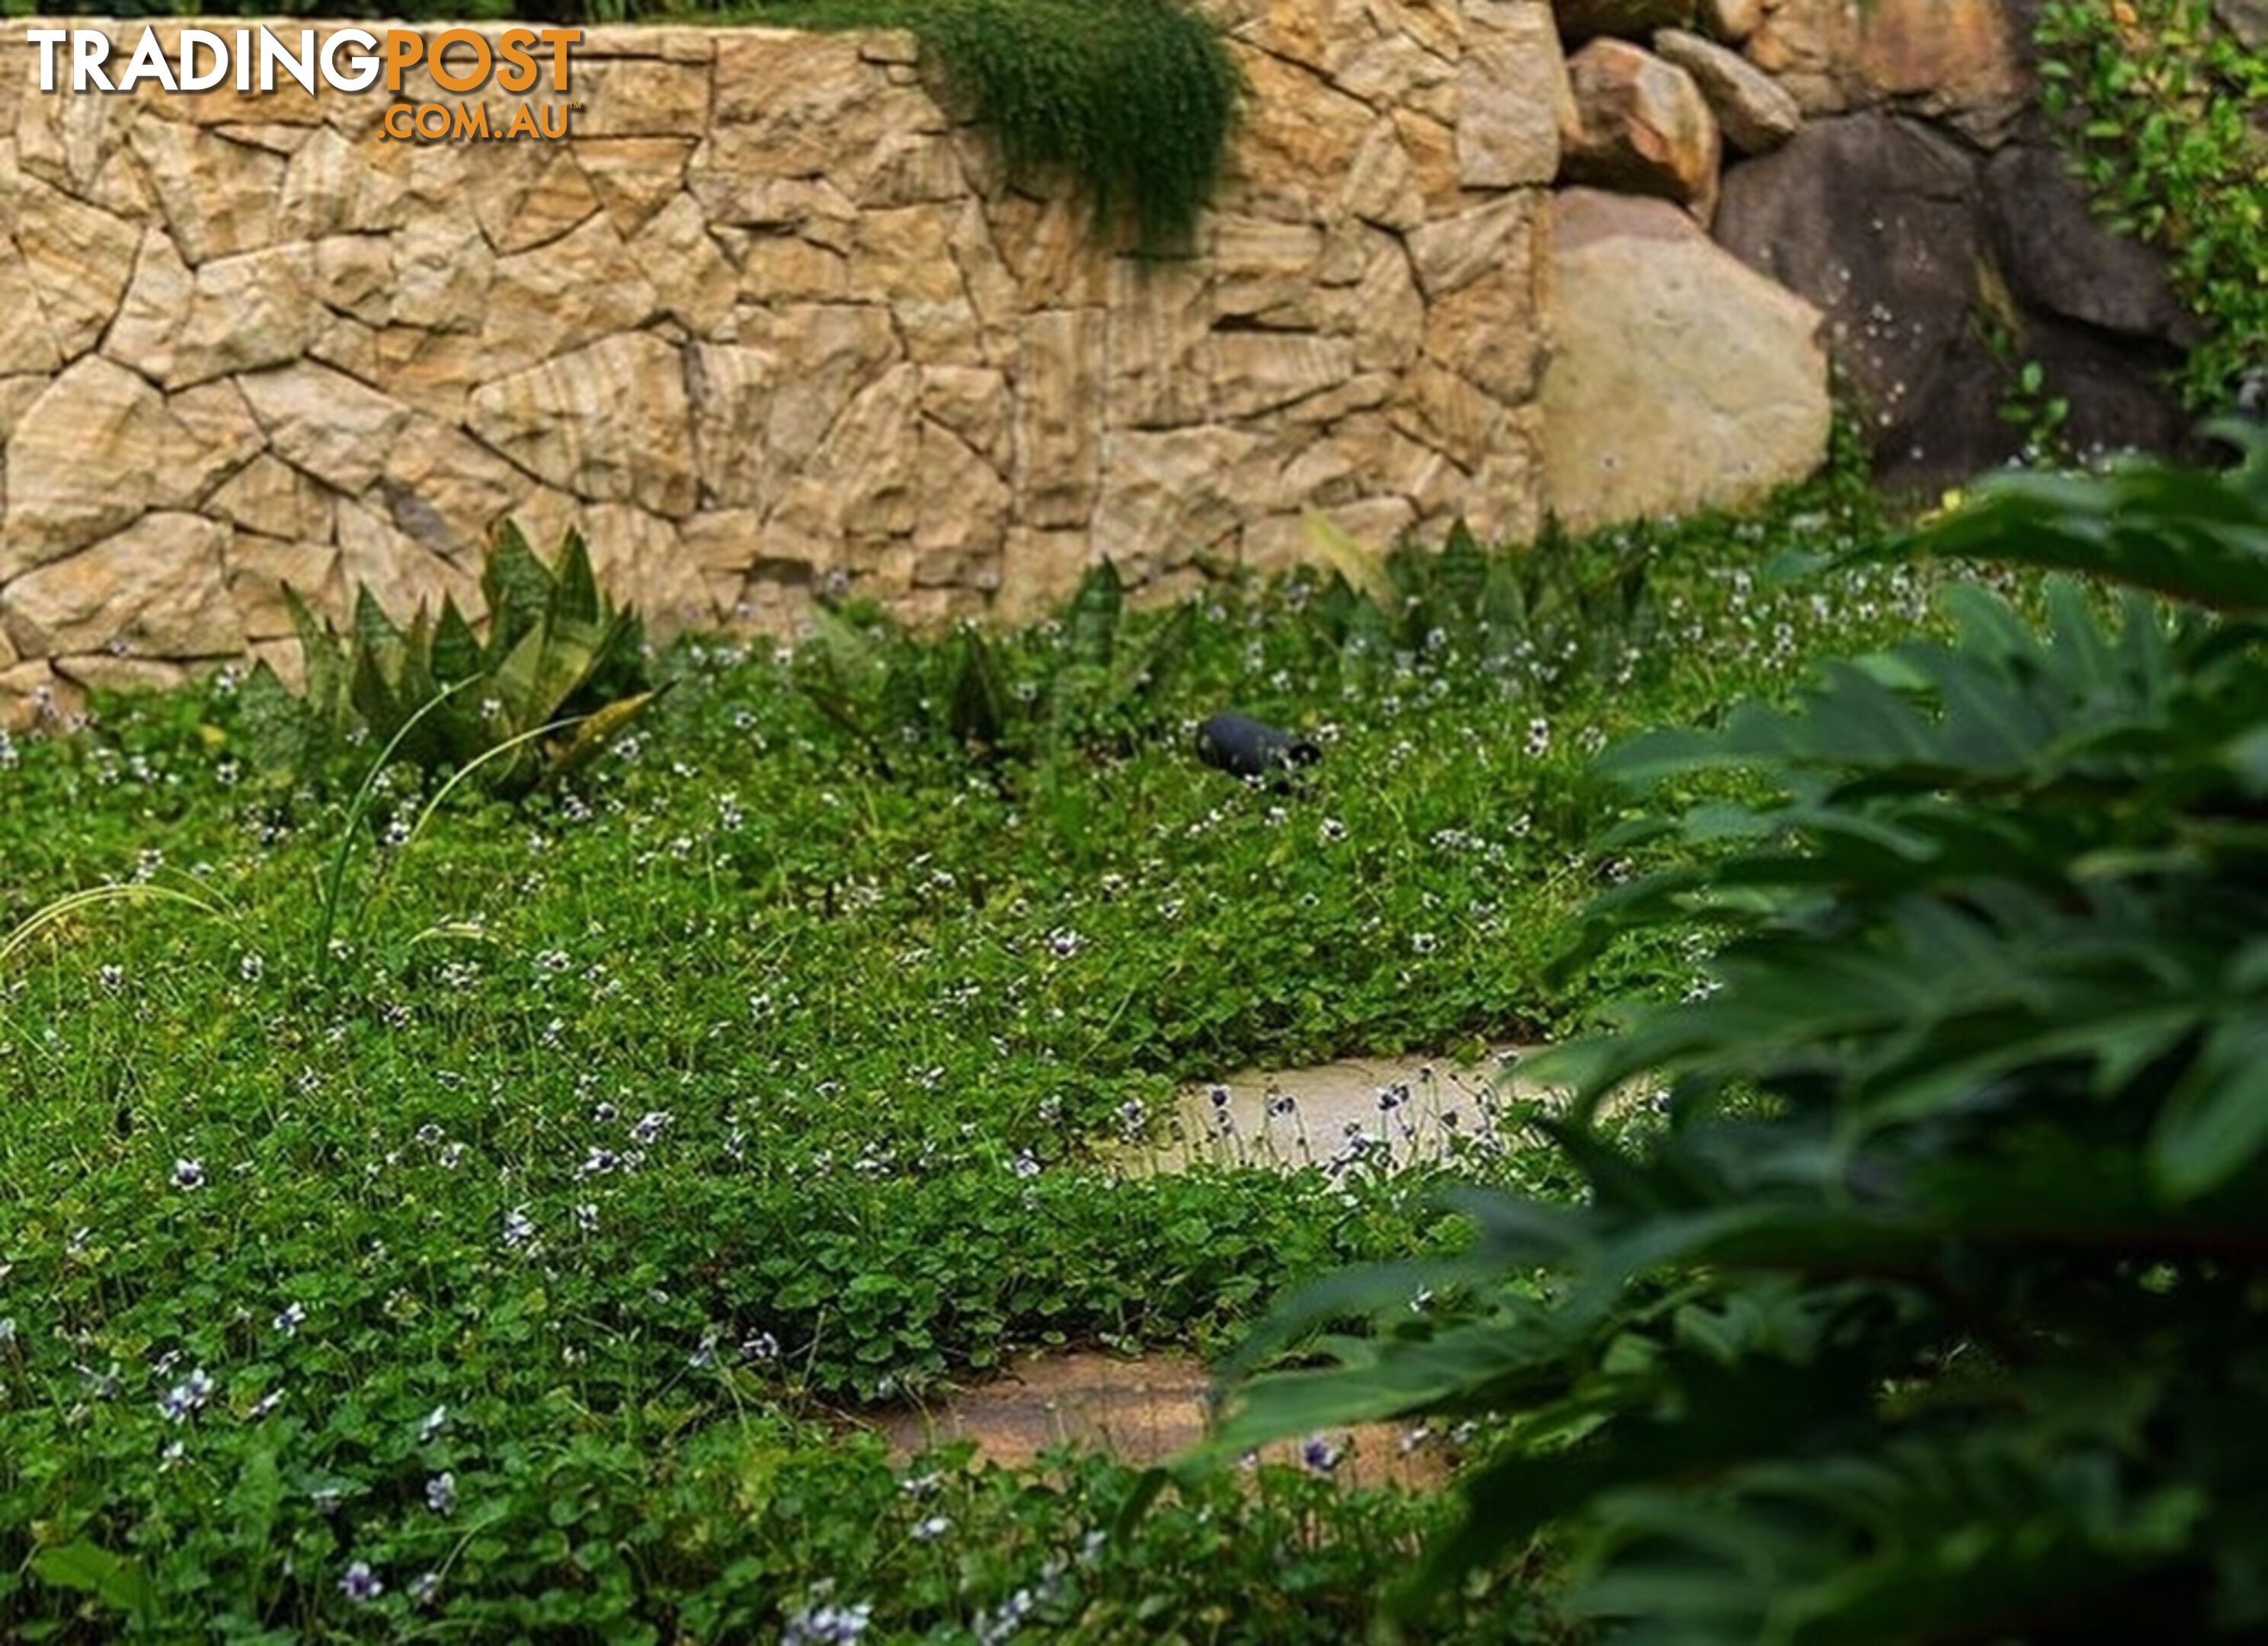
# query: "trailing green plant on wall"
2159,106
1934,1306
1132,101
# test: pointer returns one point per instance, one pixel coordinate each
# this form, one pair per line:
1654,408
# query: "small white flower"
188,1174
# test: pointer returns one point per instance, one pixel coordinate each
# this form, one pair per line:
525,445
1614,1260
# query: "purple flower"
187,1397
827,1625
188,1174
360,1586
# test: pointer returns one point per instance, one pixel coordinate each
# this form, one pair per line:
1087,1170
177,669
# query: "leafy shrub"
1935,1307
1101,690
2160,107
1559,612
561,674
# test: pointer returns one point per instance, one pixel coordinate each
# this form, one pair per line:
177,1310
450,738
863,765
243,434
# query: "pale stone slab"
609,422
325,422
1679,378
1512,95
155,589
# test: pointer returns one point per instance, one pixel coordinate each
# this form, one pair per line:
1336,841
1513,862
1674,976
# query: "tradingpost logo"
259,59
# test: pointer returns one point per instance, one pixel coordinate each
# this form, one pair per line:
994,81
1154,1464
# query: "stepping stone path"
1143,1410
1383,1113
1380,1113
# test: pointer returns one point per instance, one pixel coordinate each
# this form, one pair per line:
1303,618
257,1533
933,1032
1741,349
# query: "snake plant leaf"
575,590
1364,568
978,718
1150,671
321,659
375,683
1092,628
1460,577
597,731
518,589
456,649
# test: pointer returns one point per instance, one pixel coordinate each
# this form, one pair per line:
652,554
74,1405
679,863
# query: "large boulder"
1882,222
1958,60
1678,378
1642,126
1756,113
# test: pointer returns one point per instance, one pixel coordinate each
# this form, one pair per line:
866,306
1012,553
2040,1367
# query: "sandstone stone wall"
770,319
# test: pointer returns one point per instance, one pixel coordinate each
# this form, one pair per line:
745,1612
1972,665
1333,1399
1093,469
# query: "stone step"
1379,1113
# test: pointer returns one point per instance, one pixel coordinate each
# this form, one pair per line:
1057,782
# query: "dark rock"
2118,391
1627,19
1246,747
1871,218
1883,223
2246,19
2061,259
